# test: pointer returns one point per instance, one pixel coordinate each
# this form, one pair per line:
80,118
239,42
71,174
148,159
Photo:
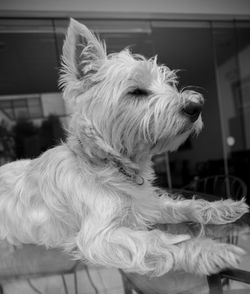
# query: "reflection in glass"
232,50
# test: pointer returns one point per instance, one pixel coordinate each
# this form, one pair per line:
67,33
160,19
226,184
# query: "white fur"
85,195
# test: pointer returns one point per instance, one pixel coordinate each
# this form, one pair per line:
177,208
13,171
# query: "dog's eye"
139,92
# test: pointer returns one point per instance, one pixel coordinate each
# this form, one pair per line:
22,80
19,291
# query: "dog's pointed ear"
82,55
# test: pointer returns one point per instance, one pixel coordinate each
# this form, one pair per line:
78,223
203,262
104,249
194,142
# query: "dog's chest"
132,220
131,216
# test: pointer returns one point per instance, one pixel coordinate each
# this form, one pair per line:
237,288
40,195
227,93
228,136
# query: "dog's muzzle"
193,105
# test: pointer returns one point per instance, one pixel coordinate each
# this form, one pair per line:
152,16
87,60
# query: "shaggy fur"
93,195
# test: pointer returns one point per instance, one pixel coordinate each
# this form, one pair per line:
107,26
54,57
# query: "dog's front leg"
144,252
206,256
201,211
155,253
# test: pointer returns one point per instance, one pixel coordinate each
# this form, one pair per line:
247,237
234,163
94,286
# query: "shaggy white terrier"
93,195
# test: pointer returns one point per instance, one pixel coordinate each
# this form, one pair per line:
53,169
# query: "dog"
93,195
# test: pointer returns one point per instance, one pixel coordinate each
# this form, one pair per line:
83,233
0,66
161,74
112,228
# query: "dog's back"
11,179
29,192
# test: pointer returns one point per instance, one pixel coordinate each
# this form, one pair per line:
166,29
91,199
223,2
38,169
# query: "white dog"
93,195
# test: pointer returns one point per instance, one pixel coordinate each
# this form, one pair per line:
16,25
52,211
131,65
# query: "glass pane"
29,61
34,102
232,50
243,38
35,107
9,112
21,112
227,79
5,104
35,112
19,103
240,158
189,48
29,69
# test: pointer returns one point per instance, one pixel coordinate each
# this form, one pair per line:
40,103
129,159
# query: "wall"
234,8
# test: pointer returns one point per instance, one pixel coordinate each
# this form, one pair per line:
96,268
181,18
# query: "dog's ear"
82,55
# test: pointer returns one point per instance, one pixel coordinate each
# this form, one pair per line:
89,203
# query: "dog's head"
132,103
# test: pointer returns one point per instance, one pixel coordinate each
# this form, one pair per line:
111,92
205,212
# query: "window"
22,108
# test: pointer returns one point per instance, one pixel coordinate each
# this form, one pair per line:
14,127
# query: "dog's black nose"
192,110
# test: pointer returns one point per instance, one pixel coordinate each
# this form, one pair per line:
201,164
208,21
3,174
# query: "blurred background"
209,41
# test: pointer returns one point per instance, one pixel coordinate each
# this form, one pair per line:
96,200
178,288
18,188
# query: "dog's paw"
206,256
226,211
233,210
218,257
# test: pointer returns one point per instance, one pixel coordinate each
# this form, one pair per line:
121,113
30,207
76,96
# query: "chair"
215,283
224,186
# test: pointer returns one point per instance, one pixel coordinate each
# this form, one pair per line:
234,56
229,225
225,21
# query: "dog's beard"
170,143
140,144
